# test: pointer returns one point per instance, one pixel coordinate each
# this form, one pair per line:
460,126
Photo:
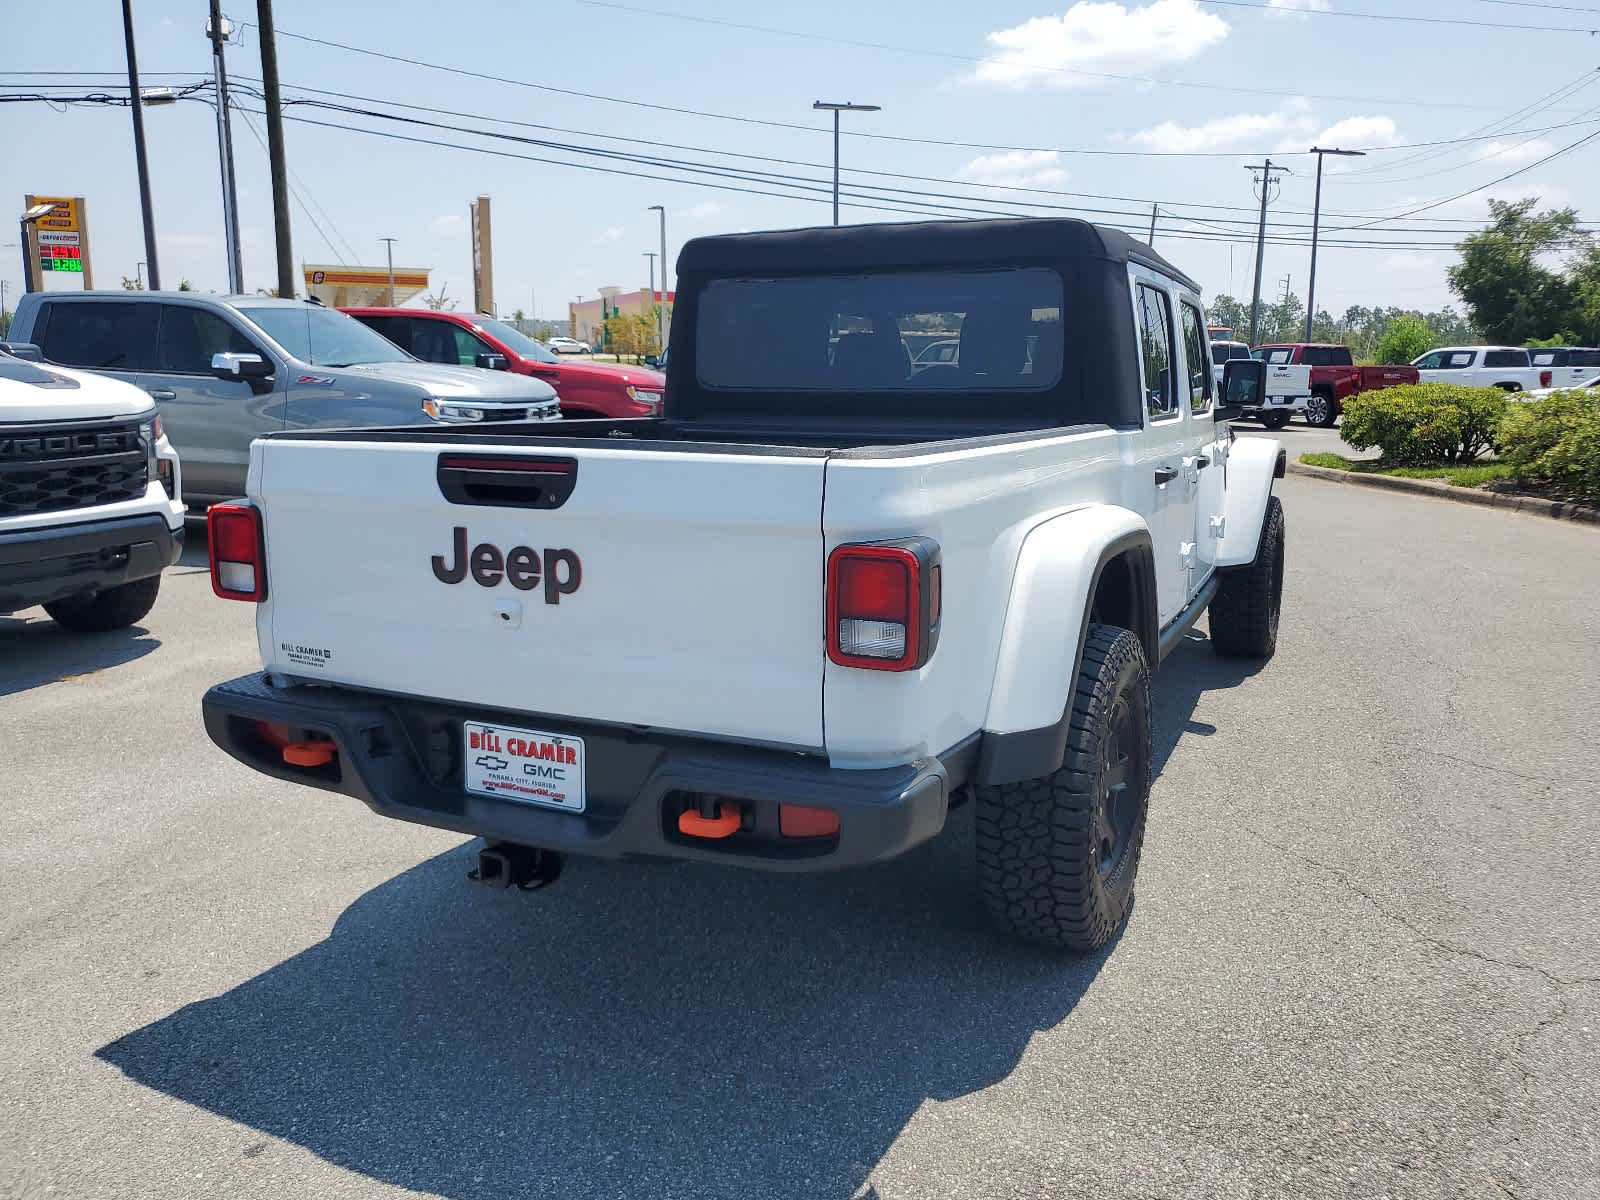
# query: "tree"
1510,293
185,286
1407,336
132,283
1225,310
5,323
440,302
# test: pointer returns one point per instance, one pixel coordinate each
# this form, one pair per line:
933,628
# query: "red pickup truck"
585,389
1331,376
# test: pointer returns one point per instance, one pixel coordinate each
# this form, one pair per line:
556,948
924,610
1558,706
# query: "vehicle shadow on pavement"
633,1030
37,652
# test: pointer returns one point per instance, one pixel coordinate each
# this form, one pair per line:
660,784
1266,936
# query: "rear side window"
190,336
1505,358
1459,360
396,329
1194,357
1550,358
1327,356
863,333
1280,356
105,335
1584,358
1155,349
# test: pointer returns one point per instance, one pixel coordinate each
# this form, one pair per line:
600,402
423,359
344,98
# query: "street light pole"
389,246
1316,218
136,106
28,218
217,30
651,255
662,316
836,109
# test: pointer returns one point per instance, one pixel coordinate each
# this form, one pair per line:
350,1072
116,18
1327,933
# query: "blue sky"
1038,76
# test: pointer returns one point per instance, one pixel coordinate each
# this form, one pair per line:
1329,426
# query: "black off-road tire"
114,608
1322,410
1244,612
1275,420
1057,855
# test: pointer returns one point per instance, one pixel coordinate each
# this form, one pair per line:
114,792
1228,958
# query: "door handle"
1165,475
1201,462
162,394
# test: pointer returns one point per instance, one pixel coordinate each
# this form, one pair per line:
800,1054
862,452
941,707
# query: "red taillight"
1545,378
883,604
238,551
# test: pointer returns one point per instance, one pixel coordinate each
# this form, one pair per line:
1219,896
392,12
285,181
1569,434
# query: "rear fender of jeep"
1090,565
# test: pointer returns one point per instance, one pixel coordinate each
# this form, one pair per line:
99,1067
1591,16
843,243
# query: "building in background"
363,287
586,318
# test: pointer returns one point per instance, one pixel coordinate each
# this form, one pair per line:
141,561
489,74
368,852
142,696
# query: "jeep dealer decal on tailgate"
524,764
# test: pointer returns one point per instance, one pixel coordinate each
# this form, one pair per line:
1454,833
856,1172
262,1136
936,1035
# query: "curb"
1559,509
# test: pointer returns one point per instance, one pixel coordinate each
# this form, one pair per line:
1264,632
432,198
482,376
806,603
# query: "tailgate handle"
506,481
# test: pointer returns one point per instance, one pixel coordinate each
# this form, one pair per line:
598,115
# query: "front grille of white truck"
57,468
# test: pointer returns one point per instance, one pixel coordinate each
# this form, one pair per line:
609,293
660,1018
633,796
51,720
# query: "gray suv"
225,369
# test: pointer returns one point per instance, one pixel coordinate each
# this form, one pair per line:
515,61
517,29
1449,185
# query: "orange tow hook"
308,754
724,824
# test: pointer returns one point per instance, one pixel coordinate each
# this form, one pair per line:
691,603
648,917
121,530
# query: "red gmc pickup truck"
1330,376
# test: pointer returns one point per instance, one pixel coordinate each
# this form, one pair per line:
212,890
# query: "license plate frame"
528,766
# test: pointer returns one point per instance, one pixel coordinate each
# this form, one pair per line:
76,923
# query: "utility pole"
217,29
651,255
1152,238
1266,181
661,317
280,170
389,246
1316,219
136,105
836,109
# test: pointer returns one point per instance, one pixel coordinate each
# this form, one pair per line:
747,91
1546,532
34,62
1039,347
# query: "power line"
1372,16
244,113
821,194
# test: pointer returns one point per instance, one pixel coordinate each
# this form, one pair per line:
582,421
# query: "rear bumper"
39,566
1281,404
402,758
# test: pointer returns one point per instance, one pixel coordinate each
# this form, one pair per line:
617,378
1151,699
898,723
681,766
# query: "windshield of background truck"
323,336
866,333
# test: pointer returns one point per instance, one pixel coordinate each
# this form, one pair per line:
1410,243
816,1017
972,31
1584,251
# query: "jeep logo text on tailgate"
520,567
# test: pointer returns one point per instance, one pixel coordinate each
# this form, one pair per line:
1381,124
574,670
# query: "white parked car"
566,345
874,593
1222,353
1508,367
90,507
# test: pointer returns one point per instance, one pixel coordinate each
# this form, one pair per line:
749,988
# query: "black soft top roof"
921,244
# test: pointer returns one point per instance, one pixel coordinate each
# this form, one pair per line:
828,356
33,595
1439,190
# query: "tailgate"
1288,379
687,586
1382,377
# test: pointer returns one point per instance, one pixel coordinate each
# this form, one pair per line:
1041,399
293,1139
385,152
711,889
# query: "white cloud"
1016,168
1240,129
449,225
1513,152
611,233
1098,36
703,211
1359,131
1285,8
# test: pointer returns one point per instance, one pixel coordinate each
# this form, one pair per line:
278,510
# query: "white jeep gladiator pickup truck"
90,507
821,599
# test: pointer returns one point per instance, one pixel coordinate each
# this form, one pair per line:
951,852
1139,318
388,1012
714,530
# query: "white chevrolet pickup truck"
822,599
91,510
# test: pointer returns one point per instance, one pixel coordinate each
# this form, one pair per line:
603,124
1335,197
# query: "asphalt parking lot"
1364,960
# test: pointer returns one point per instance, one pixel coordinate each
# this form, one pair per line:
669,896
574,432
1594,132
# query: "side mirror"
653,361
23,350
1244,384
492,362
240,366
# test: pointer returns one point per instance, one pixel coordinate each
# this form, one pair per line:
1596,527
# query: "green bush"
1406,338
1425,422
1555,441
